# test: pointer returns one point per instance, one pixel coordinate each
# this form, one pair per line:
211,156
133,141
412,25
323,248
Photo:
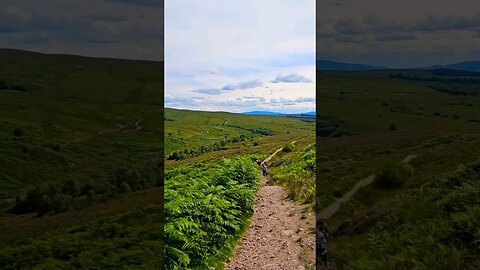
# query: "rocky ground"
281,235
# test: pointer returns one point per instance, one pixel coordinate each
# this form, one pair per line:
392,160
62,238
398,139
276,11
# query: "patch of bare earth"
281,235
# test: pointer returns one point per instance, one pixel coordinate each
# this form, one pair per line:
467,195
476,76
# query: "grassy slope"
429,123
78,105
70,98
190,129
440,229
295,170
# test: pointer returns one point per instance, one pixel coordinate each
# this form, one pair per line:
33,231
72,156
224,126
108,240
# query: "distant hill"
278,113
455,72
85,79
262,113
472,66
466,65
17,53
340,66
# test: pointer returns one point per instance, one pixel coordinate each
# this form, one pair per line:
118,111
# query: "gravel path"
280,236
333,208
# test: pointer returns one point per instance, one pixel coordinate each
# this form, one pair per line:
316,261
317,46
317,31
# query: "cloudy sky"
240,55
409,33
129,29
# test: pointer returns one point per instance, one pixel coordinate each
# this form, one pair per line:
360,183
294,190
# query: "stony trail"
117,129
333,208
280,236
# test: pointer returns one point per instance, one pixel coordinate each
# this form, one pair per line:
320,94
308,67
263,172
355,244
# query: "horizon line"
397,67
222,111
79,55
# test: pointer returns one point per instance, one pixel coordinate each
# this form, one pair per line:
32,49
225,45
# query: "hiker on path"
321,241
322,226
265,169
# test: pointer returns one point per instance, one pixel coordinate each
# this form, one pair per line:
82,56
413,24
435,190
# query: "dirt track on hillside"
280,236
333,208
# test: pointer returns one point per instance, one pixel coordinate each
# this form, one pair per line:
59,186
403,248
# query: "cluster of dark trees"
458,86
406,76
261,131
12,86
219,145
456,91
455,72
331,127
255,131
303,117
403,109
60,197
130,240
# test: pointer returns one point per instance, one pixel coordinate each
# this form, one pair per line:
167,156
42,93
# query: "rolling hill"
263,113
466,65
341,66
369,122
190,130
211,175
81,150
277,113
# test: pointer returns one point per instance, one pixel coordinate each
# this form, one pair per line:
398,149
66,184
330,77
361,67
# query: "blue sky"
240,55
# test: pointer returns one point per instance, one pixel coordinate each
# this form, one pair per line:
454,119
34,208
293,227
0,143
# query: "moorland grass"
76,116
295,171
432,124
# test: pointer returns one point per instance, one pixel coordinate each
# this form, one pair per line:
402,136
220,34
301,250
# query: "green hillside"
80,143
370,122
211,183
202,132
78,114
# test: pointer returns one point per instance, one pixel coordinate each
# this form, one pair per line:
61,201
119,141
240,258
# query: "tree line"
217,146
59,197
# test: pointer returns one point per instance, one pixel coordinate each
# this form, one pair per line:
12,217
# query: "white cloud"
128,29
227,50
407,33
242,85
291,78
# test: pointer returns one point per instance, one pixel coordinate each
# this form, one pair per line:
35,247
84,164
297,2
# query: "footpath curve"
280,236
333,208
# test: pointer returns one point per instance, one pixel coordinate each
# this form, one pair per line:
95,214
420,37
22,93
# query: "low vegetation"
452,82
222,144
296,172
394,175
207,206
447,236
397,222
11,86
57,198
211,179
288,147
130,240
192,135
328,126
80,142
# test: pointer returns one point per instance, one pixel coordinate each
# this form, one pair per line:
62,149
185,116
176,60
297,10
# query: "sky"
409,33
127,29
240,55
